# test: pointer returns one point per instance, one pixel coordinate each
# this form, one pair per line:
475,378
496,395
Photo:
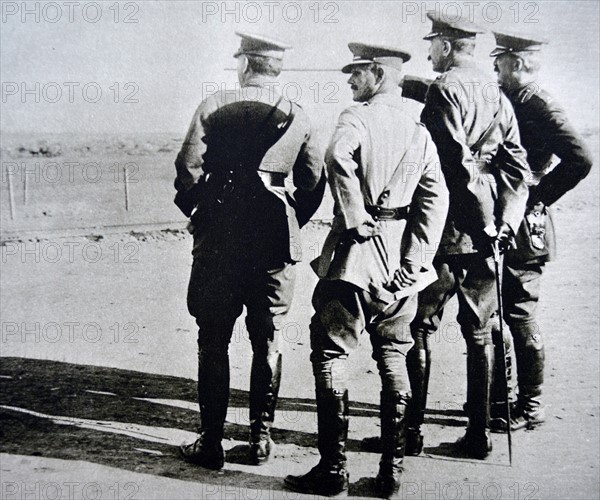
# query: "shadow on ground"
63,389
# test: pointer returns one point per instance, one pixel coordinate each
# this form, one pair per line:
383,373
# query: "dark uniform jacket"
477,137
233,171
545,131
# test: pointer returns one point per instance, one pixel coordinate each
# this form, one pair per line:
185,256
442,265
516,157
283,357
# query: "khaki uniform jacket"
370,142
546,132
241,129
477,137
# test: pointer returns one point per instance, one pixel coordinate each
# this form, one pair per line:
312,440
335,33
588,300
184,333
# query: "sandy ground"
98,362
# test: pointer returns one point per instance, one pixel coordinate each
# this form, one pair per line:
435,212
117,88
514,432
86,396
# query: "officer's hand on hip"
364,231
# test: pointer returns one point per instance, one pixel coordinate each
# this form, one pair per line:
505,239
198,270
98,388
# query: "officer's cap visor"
359,62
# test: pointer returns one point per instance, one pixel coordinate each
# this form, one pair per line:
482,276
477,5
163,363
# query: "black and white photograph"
299,249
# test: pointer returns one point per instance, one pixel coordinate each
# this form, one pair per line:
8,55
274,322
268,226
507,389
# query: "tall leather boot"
498,408
477,442
329,477
418,363
530,354
265,378
393,439
213,399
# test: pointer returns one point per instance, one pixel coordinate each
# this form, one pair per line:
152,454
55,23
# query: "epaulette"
443,77
534,91
448,79
358,105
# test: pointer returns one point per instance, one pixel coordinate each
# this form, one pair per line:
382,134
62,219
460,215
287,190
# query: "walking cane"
498,268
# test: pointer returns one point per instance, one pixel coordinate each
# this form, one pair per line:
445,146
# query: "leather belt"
273,179
383,213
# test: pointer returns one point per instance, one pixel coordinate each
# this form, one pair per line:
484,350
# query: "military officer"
485,167
390,206
241,147
545,131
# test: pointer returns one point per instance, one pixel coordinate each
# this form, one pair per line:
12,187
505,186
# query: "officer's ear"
379,73
242,65
447,47
517,64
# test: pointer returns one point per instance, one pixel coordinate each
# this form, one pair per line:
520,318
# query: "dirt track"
111,309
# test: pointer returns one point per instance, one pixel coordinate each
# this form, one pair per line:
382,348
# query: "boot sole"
256,460
309,491
206,465
468,451
499,426
386,491
534,424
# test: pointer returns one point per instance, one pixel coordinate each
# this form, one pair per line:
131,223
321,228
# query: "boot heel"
203,452
321,480
261,451
329,477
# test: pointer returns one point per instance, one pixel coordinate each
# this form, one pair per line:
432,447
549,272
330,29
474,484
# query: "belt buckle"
377,212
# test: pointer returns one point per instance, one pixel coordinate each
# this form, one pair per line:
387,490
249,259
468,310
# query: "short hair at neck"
465,46
262,65
531,61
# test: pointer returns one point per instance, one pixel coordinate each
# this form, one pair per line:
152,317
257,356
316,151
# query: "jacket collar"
260,81
393,98
461,61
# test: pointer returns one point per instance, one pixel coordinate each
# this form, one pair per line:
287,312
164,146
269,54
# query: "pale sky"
75,53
